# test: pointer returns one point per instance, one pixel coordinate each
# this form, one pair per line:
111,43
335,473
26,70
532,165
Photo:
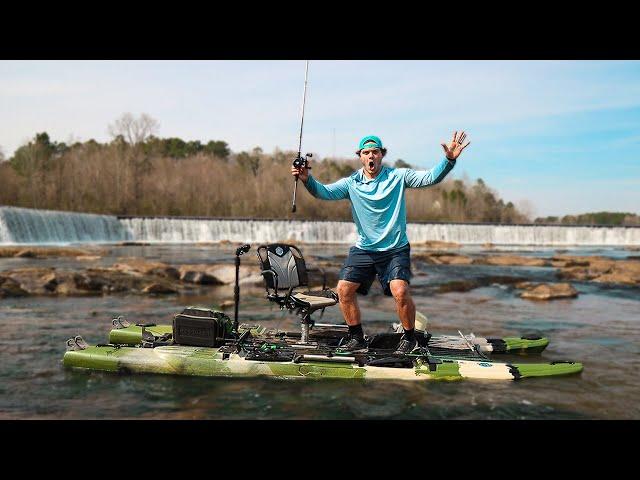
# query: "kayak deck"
132,335
215,362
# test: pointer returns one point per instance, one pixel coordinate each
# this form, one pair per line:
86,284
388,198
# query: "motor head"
243,249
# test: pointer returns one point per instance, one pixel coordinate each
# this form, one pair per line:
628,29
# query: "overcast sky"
563,135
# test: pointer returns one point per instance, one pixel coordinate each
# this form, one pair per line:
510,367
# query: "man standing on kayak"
377,198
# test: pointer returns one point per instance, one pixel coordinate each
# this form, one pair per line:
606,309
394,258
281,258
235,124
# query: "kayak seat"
315,299
284,272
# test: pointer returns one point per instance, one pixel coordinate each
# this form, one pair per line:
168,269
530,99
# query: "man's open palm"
456,146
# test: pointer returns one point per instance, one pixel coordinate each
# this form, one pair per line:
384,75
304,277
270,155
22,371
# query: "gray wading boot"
406,346
354,344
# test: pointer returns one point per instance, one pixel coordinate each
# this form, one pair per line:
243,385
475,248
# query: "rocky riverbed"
133,275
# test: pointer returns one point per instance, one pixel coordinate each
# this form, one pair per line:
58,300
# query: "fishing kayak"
132,335
220,362
204,342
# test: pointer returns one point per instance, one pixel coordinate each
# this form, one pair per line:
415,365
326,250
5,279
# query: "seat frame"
288,300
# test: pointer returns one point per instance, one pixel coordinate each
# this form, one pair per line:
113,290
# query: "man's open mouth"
371,165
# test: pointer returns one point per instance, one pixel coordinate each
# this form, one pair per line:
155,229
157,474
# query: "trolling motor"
299,161
236,289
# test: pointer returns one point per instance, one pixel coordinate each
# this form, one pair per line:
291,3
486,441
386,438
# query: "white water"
21,225
536,235
193,231
30,226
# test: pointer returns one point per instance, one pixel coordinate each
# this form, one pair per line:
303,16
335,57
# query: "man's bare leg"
404,303
348,302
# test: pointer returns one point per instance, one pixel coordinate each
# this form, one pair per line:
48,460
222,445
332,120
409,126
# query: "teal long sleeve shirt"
378,205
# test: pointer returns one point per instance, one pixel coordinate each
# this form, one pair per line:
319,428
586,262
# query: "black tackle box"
201,327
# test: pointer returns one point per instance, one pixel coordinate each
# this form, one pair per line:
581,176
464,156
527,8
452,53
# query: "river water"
601,328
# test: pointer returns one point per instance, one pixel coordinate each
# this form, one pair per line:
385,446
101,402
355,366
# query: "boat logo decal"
279,251
484,364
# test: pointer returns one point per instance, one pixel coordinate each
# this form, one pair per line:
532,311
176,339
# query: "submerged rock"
512,260
93,281
49,252
190,275
50,281
217,274
254,280
458,286
10,288
600,269
34,281
26,253
550,291
453,260
568,262
159,288
227,304
139,266
132,276
580,274
226,273
443,258
501,280
466,285
623,278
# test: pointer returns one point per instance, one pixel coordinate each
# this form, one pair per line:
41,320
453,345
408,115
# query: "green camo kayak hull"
132,335
211,362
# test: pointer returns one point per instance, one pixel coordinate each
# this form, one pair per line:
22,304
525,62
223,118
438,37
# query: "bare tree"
526,209
1,155
134,130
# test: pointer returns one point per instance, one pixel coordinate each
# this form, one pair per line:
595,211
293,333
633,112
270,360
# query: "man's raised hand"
455,147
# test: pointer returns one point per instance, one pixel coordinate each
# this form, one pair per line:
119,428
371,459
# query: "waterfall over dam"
30,226
173,230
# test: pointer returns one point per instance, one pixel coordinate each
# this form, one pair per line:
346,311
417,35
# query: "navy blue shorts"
362,266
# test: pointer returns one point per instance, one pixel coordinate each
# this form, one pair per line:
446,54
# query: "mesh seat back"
288,264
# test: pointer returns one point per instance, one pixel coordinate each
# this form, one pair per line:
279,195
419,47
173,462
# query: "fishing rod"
299,161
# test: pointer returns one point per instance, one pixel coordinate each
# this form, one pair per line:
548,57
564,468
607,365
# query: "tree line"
138,173
595,218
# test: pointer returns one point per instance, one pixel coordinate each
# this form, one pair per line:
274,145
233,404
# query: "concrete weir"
31,226
191,230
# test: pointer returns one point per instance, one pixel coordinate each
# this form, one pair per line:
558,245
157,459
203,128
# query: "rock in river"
550,291
158,288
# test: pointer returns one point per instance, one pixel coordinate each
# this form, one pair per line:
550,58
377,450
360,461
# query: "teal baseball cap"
370,141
